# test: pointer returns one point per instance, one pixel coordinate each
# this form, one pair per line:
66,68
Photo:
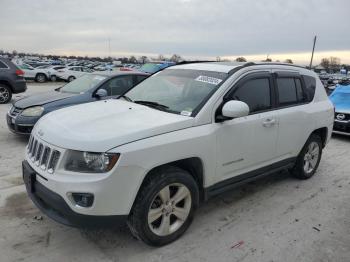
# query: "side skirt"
242,179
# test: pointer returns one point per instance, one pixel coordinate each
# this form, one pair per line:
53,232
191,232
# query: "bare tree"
334,63
288,61
144,59
325,63
175,58
218,58
161,58
132,60
241,59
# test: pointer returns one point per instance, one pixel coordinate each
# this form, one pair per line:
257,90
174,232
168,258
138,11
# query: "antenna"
313,50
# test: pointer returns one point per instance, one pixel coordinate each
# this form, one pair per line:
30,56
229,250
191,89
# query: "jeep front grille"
42,155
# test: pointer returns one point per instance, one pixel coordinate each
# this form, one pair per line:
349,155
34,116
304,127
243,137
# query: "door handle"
269,122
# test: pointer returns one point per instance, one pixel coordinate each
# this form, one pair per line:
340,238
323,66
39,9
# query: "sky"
194,29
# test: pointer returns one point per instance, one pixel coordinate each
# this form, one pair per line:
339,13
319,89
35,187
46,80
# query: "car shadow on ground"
118,237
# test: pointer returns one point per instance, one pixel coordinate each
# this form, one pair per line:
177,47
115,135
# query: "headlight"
33,111
88,162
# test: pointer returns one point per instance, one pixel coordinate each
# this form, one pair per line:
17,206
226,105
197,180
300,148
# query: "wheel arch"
193,165
6,83
322,133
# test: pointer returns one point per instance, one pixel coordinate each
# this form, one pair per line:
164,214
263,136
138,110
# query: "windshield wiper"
151,104
125,97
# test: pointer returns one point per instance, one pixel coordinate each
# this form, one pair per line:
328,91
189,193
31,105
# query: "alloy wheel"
4,94
169,209
311,157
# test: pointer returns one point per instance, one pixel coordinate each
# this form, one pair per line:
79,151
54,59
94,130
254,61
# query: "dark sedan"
89,88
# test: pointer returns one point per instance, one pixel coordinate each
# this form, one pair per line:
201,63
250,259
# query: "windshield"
82,84
179,91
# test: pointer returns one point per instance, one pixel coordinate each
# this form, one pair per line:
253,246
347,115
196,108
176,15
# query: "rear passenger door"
291,112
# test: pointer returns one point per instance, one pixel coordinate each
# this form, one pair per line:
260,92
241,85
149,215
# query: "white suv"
180,137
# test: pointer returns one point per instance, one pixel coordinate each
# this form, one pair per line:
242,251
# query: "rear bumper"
19,86
55,207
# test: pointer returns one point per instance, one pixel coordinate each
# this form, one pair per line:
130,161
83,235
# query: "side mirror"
101,93
234,109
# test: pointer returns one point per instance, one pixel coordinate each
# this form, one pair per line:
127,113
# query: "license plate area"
29,178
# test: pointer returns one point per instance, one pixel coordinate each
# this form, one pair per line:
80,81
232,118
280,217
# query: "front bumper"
55,207
21,125
341,127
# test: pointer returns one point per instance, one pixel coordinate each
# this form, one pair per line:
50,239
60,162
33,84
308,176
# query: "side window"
139,79
310,86
256,93
118,85
2,65
290,91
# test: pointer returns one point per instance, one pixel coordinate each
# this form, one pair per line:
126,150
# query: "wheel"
53,78
5,94
41,78
164,207
309,158
71,78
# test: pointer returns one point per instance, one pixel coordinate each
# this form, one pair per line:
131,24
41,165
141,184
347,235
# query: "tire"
53,78
71,78
309,158
5,94
40,78
183,200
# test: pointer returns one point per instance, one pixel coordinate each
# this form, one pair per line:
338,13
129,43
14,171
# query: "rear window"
290,91
3,65
310,86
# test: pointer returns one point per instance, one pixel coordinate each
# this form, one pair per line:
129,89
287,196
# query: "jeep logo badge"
40,132
340,116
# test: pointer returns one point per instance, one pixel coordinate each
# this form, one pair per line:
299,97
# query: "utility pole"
313,50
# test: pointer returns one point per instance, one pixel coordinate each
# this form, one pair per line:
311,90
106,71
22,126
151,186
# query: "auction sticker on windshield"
209,80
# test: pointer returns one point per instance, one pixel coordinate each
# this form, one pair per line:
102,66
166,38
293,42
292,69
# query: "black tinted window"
2,65
256,93
118,85
290,91
310,86
140,79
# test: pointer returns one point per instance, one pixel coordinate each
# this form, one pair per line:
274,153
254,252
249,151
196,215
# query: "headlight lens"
33,111
88,162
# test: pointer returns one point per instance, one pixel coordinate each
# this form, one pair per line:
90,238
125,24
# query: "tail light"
19,72
125,69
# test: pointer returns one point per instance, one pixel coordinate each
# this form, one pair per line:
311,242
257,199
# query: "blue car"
341,101
88,88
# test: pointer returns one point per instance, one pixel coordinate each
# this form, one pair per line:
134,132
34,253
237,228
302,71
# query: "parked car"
73,72
152,68
179,137
341,101
31,73
91,87
11,80
52,69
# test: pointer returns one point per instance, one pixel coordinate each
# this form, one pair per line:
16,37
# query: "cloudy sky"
192,28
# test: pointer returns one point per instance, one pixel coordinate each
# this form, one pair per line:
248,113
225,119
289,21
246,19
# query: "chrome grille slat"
43,155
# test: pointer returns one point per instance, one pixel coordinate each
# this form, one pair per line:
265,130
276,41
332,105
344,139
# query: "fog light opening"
83,199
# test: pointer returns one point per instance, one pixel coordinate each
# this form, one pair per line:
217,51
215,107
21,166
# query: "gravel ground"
277,218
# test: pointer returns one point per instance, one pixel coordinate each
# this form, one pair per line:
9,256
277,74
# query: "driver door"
247,143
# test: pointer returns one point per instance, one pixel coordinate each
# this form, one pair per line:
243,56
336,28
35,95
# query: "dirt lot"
274,219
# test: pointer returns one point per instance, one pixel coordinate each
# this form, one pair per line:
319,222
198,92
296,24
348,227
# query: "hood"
341,99
41,99
100,126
